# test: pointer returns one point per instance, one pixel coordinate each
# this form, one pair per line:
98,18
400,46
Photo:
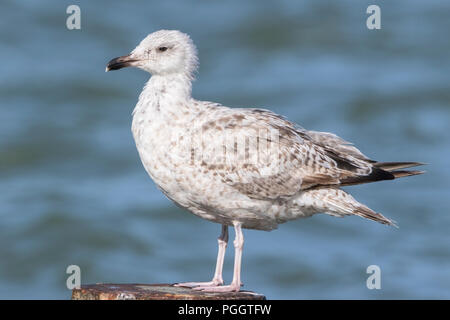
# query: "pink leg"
217,279
236,284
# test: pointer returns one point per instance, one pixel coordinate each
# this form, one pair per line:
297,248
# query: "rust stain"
105,291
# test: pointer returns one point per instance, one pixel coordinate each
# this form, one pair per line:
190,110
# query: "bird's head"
160,53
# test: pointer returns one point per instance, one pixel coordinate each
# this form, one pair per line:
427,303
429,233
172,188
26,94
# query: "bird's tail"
337,202
384,171
393,168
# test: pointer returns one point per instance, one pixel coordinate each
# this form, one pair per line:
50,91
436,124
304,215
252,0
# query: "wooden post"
104,291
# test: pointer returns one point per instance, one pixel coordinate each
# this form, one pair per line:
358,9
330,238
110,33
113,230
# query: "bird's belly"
203,194
210,199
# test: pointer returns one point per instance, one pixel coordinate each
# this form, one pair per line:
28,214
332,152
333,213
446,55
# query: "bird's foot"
228,288
205,284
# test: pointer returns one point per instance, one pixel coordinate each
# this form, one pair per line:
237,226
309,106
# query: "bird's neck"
175,85
166,94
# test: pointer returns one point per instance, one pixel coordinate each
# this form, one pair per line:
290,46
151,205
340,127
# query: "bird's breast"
164,151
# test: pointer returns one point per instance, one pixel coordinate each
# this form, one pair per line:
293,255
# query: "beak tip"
119,63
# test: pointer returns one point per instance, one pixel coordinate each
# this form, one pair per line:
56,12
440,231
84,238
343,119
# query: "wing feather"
265,156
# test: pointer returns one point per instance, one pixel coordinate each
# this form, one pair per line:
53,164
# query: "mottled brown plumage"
307,159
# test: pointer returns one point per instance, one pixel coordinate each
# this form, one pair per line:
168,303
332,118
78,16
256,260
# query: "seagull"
241,167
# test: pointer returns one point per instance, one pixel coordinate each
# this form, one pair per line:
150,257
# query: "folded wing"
266,156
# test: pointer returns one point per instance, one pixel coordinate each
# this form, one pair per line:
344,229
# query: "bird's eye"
162,49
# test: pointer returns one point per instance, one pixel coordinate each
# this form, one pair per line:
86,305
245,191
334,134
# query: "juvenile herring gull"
247,168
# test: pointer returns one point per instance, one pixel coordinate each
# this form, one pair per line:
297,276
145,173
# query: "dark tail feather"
391,166
378,174
406,173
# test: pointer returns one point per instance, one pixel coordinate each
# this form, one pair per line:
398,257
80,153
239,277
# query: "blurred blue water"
73,191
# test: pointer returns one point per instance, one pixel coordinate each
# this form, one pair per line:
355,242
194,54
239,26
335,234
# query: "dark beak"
119,63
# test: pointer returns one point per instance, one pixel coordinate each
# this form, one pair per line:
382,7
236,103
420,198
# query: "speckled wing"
268,157
339,145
